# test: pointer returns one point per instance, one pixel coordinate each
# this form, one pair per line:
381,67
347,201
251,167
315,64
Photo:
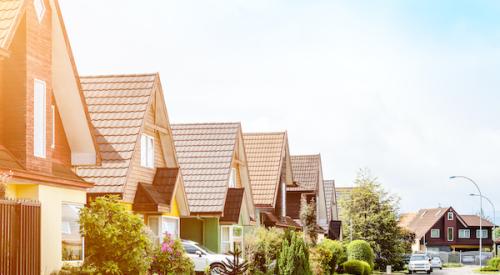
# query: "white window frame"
448,235
464,233
481,236
433,233
53,145
81,206
450,216
147,151
232,178
158,235
39,9
232,238
39,118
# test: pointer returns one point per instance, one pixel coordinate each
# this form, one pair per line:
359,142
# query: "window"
147,151
435,233
484,234
39,119
450,216
39,9
53,127
464,233
190,249
231,237
450,234
232,178
163,225
72,241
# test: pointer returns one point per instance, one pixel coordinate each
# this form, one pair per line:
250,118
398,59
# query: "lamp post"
494,220
480,217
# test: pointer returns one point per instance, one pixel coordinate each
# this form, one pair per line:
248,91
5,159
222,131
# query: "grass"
479,271
452,265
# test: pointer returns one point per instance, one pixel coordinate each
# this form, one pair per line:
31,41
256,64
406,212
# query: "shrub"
294,257
326,256
360,250
115,239
488,268
367,269
494,263
262,248
354,267
170,258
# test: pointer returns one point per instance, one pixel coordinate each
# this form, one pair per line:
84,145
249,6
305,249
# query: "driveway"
466,270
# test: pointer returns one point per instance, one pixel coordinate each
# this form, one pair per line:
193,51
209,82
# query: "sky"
407,89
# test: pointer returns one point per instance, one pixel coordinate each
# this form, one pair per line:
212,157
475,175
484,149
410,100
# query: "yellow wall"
175,209
51,199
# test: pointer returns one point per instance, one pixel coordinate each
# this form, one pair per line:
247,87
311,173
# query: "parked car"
436,262
202,257
419,263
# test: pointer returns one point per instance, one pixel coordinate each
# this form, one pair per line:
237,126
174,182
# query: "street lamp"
494,219
480,217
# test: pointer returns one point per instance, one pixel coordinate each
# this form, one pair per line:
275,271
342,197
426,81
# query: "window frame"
232,238
451,216
438,233
81,206
448,235
481,237
232,178
462,231
147,153
158,232
39,131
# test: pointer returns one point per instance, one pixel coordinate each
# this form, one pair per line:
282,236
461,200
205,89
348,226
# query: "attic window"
450,216
39,9
147,151
232,178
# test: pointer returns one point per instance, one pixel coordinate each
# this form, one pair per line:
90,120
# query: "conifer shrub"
294,257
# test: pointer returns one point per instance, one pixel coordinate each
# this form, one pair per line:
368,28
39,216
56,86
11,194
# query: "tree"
116,241
308,220
5,177
236,266
374,218
326,256
294,257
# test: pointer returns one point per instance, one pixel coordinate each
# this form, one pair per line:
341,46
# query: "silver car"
436,263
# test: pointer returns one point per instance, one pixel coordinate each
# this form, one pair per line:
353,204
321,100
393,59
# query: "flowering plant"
170,258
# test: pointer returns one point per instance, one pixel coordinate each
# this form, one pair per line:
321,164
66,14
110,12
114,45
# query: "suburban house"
308,176
214,167
139,163
335,224
342,195
270,169
443,229
45,130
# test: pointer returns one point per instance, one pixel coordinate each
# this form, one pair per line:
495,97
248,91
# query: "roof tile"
306,170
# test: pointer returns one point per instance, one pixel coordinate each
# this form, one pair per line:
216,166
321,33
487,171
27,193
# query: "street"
466,270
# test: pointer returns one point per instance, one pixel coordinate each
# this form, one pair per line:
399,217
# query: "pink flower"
164,247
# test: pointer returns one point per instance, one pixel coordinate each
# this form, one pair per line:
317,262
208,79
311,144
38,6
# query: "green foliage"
488,268
170,258
294,257
494,263
115,239
374,218
360,250
262,248
326,256
452,265
235,266
357,267
308,219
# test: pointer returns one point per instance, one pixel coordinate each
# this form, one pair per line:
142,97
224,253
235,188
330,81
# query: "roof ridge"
263,133
118,75
205,123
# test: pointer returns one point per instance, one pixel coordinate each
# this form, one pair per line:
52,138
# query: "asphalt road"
466,270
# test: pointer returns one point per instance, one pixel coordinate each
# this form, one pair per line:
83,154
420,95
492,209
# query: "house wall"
137,172
293,201
51,199
211,234
192,229
202,230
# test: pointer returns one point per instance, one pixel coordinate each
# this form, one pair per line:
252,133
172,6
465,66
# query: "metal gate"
19,237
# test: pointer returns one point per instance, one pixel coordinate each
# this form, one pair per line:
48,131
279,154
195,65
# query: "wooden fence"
19,237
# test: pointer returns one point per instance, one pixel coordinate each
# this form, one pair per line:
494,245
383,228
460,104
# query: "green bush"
325,256
354,267
367,269
116,241
170,258
262,248
488,268
360,250
294,257
494,263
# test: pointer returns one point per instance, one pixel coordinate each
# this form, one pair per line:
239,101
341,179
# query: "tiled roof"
117,105
473,220
10,11
265,152
306,170
329,186
160,193
232,207
205,152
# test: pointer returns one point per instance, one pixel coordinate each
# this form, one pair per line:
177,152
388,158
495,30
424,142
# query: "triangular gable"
157,197
233,204
10,16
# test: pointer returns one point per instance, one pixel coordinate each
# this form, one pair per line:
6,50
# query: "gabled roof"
10,14
422,221
306,171
157,197
205,152
232,206
473,220
329,186
117,105
265,155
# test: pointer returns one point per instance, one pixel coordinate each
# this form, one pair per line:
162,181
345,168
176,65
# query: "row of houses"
66,139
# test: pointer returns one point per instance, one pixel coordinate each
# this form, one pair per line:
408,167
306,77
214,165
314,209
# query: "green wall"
212,234
203,230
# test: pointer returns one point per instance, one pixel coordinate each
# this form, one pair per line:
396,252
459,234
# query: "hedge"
360,250
357,267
